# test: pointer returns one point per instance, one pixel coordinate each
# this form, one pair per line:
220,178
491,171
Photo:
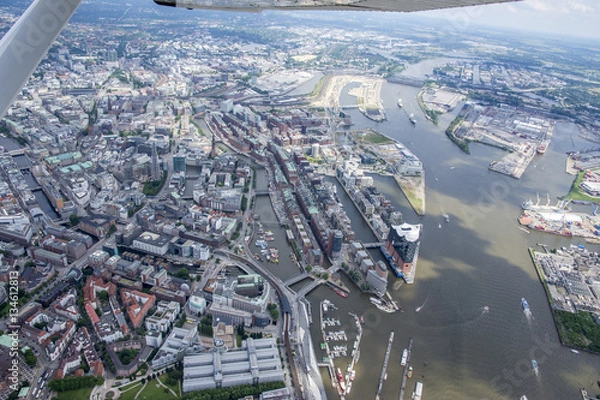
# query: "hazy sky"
563,17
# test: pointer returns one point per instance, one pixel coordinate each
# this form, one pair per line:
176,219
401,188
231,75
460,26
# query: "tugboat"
412,119
399,103
410,371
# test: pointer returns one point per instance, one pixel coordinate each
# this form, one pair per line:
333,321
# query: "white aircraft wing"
355,5
26,43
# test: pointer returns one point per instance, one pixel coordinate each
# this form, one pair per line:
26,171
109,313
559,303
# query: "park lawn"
79,394
130,394
151,392
175,388
129,386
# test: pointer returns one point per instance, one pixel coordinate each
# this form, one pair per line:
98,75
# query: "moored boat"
404,357
339,291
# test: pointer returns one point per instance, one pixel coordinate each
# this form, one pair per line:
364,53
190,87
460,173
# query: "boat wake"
422,305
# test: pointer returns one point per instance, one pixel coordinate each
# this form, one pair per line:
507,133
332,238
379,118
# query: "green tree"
183,273
30,358
74,219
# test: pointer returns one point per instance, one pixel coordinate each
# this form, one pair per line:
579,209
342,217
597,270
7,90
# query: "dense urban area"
133,162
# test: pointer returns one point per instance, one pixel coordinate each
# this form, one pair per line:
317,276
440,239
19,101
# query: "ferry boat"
418,391
339,291
412,119
385,308
524,304
404,357
399,103
375,301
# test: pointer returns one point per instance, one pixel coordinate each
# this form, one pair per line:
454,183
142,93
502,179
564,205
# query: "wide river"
478,259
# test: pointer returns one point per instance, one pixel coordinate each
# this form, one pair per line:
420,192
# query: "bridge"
261,193
407,80
17,152
309,288
373,245
297,278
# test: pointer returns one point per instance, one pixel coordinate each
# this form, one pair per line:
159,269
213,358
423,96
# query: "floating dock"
405,375
385,364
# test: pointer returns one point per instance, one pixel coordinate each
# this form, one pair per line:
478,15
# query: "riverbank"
575,328
413,188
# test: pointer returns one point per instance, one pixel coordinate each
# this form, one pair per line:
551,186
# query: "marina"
341,381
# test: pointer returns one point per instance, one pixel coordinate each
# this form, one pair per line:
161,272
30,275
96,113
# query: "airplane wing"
26,43
354,5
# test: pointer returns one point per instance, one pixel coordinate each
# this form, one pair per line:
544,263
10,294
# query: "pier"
355,350
385,364
329,363
405,375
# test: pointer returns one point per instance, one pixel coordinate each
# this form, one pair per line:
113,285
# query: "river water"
478,259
